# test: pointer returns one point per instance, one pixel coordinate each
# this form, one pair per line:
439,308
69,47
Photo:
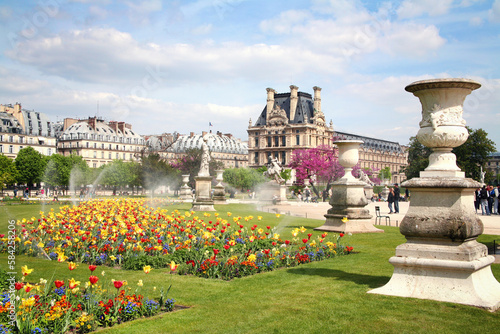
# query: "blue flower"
60,291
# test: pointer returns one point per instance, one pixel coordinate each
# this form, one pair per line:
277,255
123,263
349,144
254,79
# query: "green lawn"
320,297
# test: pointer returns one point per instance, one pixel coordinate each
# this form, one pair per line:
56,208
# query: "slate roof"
304,107
371,143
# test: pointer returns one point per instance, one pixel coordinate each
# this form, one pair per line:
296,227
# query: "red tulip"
92,267
287,242
93,279
216,251
268,227
18,285
341,234
226,247
58,283
305,240
118,284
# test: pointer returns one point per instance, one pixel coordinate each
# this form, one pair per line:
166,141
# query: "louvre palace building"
294,120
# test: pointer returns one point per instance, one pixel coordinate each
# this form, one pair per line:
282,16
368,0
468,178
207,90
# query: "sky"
166,66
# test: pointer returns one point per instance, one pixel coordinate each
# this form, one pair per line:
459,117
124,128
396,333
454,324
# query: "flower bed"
130,234
70,306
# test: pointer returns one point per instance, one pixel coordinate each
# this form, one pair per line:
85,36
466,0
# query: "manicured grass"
320,297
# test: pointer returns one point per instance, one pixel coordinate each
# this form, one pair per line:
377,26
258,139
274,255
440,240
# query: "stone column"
219,191
348,198
441,259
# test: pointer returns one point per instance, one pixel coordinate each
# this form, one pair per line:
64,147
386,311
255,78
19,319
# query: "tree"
65,171
319,164
470,156
156,170
474,154
385,174
243,178
30,165
8,172
190,164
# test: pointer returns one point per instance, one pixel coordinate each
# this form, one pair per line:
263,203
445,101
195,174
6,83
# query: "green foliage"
470,156
474,153
4,280
286,174
8,171
243,178
137,263
190,164
385,174
30,165
154,168
418,158
62,170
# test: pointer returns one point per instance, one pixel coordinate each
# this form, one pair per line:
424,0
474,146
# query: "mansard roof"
371,143
304,111
216,143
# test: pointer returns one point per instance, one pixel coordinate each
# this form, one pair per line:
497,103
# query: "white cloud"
494,12
415,8
411,40
202,30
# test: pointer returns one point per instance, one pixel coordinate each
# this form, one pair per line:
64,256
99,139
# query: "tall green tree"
243,178
156,171
8,172
30,165
474,154
470,156
385,174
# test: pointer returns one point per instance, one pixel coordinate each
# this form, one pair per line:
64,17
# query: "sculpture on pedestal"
203,189
273,191
441,259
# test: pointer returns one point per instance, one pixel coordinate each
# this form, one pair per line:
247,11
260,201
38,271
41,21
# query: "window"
11,149
276,141
1,148
117,156
95,154
11,139
256,141
109,156
283,158
269,141
95,165
87,144
102,155
283,141
297,140
256,158
21,140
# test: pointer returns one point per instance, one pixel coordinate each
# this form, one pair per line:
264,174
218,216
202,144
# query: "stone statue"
274,170
482,175
363,177
205,158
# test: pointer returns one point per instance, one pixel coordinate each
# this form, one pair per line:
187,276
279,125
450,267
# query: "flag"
210,124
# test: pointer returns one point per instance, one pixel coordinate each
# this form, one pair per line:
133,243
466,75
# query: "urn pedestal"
219,190
203,200
348,197
185,193
441,259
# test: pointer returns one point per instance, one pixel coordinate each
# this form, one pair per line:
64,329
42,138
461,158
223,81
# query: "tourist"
407,194
483,195
497,193
397,195
307,195
390,199
494,200
490,199
477,200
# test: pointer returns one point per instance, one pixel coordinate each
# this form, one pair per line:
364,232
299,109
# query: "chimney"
191,134
317,98
293,101
113,125
203,133
69,122
121,127
91,121
270,100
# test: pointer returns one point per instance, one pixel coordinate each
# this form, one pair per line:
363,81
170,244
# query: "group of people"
487,198
393,198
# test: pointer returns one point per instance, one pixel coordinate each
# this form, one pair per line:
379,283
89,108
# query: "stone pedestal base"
272,193
219,195
203,200
334,223
186,193
444,271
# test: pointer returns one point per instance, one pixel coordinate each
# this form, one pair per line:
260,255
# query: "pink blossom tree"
320,165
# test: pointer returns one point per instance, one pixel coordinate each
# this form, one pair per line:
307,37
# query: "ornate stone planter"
442,127
348,197
219,190
441,259
185,193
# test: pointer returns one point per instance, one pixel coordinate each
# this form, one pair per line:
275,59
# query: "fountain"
348,198
441,259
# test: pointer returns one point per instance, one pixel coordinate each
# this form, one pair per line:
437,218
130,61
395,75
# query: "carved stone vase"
441,259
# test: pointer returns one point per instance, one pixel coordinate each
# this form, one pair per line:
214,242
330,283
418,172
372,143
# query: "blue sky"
167,66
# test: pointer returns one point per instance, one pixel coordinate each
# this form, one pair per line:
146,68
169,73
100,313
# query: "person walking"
397,195
390,199
483,195
495,200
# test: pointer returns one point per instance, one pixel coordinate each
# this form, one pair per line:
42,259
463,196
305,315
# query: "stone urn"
219,178
442,127
441,259
348,156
